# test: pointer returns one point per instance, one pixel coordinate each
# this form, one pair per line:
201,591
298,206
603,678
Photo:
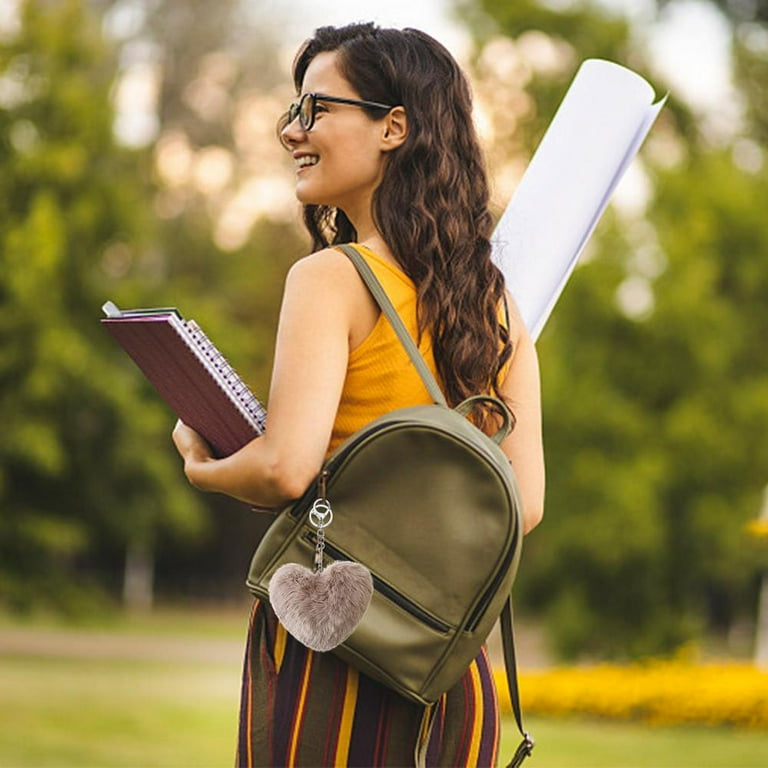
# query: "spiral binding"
235,386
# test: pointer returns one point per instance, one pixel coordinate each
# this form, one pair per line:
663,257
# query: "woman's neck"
375,242
369,236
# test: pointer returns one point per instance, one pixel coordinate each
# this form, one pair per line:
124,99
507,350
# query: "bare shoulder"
326,281
326,278
326,267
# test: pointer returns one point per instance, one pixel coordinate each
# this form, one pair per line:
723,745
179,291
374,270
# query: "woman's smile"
304,159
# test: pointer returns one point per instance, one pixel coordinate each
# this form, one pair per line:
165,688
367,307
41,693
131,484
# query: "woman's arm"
309,368
524,446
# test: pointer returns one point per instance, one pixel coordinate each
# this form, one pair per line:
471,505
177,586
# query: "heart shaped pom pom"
321,610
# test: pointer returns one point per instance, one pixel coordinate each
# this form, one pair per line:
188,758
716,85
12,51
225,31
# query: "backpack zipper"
482,605
386,590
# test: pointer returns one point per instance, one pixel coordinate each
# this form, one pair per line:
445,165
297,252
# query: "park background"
138,163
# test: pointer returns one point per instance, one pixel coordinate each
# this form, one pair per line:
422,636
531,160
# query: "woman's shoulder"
322,264
327,273
327,270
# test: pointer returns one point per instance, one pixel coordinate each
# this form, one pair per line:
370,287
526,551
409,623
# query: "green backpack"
429,504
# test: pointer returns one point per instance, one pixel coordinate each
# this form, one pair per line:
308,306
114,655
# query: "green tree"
82,469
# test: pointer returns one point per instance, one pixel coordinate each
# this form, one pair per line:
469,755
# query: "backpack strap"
508,643
378,293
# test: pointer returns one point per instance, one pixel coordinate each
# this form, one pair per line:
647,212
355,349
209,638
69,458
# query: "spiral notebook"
189,373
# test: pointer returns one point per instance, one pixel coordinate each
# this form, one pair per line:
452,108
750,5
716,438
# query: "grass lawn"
563,743
79,713
91,710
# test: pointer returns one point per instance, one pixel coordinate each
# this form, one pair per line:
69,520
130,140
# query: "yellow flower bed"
659,692
758,528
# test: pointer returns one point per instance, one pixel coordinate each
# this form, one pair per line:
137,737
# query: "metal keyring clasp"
321,514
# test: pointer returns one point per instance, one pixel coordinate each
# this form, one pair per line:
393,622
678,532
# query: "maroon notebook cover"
166,356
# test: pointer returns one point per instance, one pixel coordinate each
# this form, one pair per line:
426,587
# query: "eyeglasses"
306,107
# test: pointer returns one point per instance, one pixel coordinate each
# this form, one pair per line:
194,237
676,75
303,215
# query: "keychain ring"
321,514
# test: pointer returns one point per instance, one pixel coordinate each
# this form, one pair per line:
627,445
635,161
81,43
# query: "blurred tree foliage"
655,378
88,476
82,467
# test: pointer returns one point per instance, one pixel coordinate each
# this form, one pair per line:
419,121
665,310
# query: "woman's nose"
292,132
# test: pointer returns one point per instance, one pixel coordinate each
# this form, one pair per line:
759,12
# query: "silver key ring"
321,514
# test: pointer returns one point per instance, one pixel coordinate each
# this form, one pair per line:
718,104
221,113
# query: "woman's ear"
395,129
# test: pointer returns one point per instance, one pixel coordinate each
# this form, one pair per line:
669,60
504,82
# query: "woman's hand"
193,449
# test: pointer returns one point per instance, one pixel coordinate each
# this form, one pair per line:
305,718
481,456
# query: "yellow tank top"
380,375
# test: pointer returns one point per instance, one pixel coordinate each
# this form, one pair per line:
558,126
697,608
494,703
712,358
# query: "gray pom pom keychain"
321,608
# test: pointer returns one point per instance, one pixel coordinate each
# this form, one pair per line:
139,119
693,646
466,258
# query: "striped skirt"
301,708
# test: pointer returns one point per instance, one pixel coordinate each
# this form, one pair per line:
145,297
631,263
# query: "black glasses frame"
306,107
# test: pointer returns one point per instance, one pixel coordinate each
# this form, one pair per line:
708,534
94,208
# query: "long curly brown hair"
431,206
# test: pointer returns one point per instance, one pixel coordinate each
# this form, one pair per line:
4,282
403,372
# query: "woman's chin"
307,197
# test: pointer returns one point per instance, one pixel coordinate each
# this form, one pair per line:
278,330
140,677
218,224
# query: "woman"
386,156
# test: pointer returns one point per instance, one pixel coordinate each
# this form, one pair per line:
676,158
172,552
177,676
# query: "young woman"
386,156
